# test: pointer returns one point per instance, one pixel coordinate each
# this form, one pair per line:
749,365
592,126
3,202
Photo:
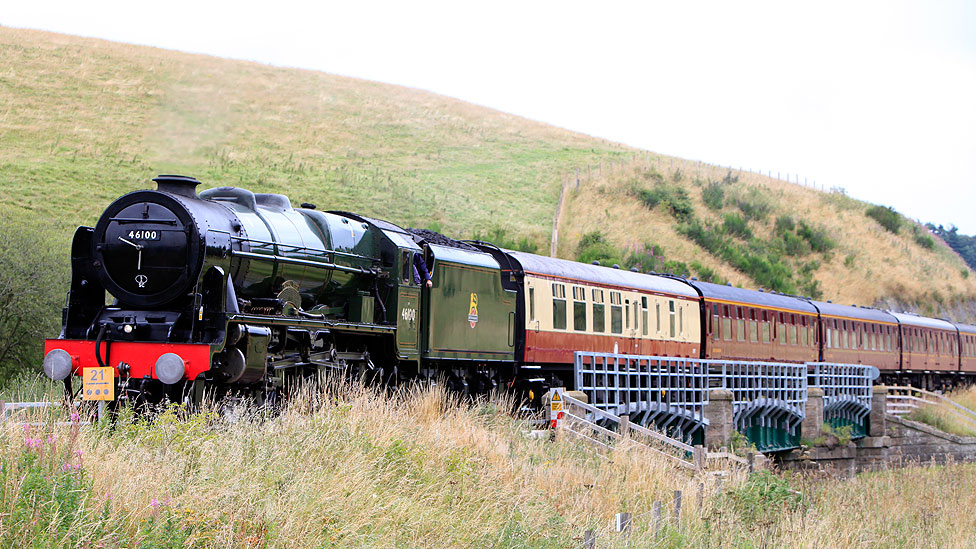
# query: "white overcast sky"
877,97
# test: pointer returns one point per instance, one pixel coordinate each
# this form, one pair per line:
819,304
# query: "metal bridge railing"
768,398
667,393
847,392
670,394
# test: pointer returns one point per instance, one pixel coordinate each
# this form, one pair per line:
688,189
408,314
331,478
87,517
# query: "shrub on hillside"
754,204
925,241
33,281
593,246
713,195
672,197
735,225
886,217
817,237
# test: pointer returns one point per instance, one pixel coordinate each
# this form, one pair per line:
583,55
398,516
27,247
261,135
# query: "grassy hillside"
755,231
360,469
83,121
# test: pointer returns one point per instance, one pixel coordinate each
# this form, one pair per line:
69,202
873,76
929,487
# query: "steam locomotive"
229,292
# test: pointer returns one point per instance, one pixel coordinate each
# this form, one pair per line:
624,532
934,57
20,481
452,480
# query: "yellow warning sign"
556,404
98,384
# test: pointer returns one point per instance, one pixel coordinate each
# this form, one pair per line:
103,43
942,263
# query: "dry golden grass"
351,467
868,265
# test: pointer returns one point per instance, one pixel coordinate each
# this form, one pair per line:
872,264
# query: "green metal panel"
469,315
858,430
408,316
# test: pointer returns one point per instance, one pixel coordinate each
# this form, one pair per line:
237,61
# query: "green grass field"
83,121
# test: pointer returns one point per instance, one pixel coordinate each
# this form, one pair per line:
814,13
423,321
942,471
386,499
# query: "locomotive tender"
232,292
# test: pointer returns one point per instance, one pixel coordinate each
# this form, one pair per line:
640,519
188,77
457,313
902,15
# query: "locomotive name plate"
98,384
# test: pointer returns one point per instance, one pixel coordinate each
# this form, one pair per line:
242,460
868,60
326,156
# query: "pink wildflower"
52,439
78,453
154,503
75,417
26,428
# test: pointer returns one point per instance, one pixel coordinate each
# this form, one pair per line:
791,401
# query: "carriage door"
408,309
634,328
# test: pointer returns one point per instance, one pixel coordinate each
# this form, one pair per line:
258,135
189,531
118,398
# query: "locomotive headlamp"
170,368
58,364
127,329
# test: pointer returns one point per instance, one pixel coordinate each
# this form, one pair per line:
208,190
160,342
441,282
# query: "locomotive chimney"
177,184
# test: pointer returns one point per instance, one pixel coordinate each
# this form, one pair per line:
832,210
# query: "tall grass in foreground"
355,467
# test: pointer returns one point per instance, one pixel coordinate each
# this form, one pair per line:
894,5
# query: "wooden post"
3,411
750,457
625,425
623,522
698,457
677,507
589,539
701,495
656,513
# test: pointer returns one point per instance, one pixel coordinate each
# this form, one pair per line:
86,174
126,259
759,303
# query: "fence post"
625,425
623,522
656,514
589,539
698,457
677,507
3,411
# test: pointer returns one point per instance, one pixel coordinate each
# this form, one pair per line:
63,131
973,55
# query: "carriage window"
740,329
644,314
627,316
793,334
616,313
753,331
579,309
803,336
635,315
559,306
599,314
765,332
531,303
681,320
716,323
671,308
727,329
657,308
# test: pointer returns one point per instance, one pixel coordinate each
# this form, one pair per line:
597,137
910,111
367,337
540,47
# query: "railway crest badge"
473,310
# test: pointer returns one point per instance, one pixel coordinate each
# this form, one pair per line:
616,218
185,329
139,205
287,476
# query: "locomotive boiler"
224,287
